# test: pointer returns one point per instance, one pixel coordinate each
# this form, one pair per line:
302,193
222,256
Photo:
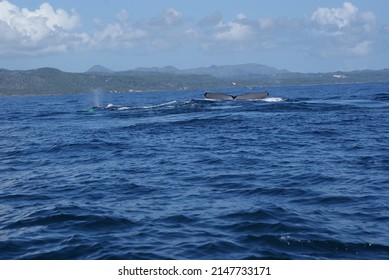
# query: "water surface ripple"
303,174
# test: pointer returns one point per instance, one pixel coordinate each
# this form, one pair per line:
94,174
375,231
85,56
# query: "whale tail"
246,96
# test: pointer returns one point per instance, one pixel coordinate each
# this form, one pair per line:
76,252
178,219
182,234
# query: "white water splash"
97,96
273,99
159,105
119,107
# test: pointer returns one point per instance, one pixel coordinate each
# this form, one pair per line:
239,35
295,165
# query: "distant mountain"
225,71
99,69
53,81
166,69
241,70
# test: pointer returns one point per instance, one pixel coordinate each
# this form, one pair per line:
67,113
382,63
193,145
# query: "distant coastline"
45,81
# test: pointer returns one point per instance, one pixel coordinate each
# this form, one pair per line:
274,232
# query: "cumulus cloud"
171,17
344,17
361,49
329,32
340,17
344,31
39,31
163,32
244,34
233,31
117,36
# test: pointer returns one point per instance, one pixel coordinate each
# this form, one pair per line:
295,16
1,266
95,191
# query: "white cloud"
265,23
243,34
42,30
361,49
369,21
330,32
160,33
233,31
241,16
340,17
344,31
116,37
172,17
340,32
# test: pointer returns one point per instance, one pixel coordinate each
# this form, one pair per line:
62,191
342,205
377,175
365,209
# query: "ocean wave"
274,99
168,175
111,106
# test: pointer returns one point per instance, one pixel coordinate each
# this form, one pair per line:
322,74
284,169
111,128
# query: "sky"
298,35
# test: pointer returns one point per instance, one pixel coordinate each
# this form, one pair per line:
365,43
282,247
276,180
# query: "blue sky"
299,35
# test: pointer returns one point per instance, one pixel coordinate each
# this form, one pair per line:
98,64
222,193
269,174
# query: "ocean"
302,174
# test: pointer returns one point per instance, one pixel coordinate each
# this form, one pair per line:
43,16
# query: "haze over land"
54,81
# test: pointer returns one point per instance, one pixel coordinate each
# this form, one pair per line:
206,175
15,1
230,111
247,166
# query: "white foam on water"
123,108
166,104
273,99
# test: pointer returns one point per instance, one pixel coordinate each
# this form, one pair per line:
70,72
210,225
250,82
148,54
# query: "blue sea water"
303,174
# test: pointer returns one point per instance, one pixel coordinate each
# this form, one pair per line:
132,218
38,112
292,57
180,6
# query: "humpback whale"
246,96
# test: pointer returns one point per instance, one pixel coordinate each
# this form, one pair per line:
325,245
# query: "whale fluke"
218,96
246,96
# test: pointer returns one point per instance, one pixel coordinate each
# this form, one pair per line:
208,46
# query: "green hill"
54,81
